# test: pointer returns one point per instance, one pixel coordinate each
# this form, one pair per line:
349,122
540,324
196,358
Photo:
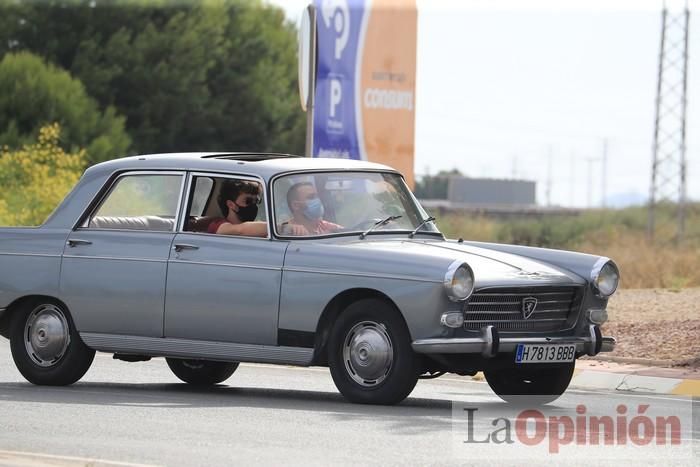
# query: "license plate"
548,353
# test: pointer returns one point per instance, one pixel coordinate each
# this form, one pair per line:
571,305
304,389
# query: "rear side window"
139,202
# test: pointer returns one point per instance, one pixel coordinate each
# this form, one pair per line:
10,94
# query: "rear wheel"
45,345
201,372
370,354
540,386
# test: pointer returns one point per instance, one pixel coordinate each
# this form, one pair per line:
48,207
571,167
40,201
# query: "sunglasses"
250,200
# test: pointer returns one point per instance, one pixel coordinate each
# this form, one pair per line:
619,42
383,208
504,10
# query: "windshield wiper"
423,222
379,224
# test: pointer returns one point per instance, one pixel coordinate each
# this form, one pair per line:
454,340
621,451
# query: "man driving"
307,212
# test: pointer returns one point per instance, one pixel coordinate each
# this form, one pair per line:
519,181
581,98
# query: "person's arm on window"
249,229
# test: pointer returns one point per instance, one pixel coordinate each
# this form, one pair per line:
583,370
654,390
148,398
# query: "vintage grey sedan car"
326,262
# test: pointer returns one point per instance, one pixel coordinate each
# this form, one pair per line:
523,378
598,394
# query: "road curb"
637,361
620,377
632,379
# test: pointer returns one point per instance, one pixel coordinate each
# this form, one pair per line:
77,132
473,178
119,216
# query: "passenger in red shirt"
307,212
239,200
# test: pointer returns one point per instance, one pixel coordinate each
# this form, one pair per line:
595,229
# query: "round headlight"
459,281
605,277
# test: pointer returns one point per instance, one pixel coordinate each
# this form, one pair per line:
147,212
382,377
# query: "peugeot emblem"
528,306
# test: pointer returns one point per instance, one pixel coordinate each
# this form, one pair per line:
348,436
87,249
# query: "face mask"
247,213
313,209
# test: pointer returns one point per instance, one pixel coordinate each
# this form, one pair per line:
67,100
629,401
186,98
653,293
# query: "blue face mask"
313,209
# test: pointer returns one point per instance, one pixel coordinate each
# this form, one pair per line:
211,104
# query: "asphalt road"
139,413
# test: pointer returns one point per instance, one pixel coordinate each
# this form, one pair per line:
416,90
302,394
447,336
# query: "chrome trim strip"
41,255
151,232
231,265
510,321
506,344
186,348
361,274
115,258
184,196
177,220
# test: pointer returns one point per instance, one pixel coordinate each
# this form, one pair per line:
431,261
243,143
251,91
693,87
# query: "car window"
332,203
201,194
139,202
205,206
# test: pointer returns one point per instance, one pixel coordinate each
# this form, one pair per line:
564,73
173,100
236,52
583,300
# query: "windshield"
327,203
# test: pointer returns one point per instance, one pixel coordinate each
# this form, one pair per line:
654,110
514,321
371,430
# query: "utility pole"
572,180
604,175
590,161
549,177
668,168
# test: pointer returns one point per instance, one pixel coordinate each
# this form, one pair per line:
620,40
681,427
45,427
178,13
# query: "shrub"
36,177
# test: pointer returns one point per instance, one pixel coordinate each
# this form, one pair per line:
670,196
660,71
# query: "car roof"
265,165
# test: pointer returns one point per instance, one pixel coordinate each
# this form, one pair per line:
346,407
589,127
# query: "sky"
522,89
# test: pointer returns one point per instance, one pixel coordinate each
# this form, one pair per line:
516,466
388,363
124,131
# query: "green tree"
35,93
207,75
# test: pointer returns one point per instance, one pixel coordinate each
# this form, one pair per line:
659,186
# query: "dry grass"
643,265
619,235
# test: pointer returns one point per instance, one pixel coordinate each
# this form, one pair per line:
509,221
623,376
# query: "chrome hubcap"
46,335
368,353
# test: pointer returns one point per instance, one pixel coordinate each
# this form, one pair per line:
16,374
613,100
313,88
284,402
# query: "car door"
114,265
222,288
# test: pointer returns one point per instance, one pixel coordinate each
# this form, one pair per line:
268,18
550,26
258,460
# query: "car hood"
427,260
492,266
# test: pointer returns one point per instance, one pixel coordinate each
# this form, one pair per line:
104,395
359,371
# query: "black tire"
530,386
201,372
395,380
45,345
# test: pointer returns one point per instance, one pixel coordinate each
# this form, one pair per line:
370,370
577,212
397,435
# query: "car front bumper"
490,344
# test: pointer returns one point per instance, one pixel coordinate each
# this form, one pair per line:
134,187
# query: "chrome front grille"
503,308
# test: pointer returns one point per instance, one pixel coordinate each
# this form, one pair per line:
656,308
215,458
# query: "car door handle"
184,246
73,242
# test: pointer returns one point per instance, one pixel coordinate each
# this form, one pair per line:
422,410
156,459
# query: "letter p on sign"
336,95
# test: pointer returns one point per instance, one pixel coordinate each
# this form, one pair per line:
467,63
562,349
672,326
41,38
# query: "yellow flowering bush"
35,178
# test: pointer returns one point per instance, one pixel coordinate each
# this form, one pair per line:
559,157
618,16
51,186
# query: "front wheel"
370,354
539,386
45,345
201,372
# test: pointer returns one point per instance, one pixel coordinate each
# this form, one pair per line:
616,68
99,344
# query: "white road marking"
26,458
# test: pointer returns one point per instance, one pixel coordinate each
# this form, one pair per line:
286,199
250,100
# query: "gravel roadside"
656,324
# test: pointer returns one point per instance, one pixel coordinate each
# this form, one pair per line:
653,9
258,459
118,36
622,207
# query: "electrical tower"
668,173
